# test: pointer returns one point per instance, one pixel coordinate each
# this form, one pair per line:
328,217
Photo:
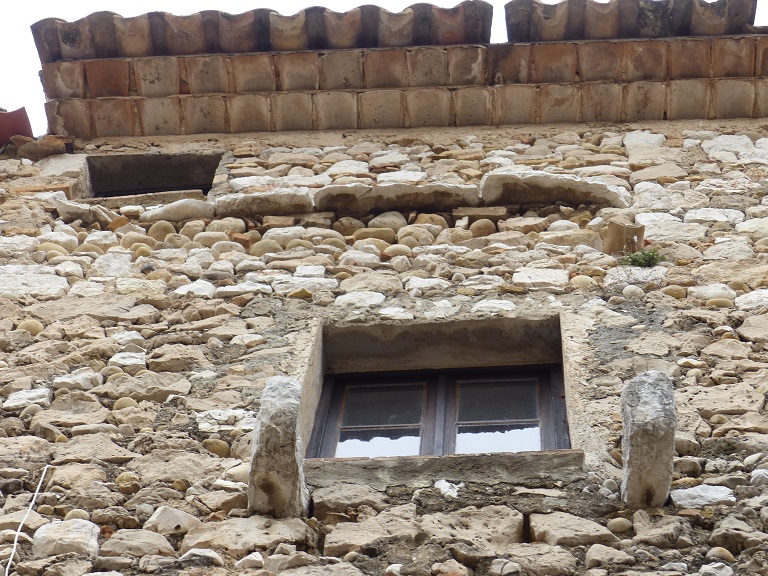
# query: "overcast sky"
19,63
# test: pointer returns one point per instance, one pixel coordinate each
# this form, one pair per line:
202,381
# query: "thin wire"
23,520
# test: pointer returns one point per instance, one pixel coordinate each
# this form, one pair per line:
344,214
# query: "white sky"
19,63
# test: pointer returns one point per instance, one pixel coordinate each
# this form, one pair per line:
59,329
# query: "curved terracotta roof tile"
534,21
109,35
14,123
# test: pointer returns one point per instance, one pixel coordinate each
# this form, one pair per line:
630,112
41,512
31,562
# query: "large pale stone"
542,559
146,386
518,185
569,530
167,520
136,543
276,485
491,527
667,228
350,536
700,496
273,202
184,209
648,441
36,281
89,446
71,536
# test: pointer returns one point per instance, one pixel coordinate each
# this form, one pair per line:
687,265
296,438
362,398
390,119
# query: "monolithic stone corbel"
276,484
648,442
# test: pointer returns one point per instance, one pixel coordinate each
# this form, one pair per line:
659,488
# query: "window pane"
483,401
502,438
381,442
383,405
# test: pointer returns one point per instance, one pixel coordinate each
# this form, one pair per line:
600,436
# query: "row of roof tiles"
109,35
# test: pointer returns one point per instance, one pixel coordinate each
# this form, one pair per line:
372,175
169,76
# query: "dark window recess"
127,174
481,410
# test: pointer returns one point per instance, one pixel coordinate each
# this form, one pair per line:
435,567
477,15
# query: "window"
440,412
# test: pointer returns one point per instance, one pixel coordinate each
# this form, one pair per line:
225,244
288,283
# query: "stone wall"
138,335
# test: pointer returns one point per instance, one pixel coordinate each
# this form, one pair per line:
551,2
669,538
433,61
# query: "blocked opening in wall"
475,386
128,174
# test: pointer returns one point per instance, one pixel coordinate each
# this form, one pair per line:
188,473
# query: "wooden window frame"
438,436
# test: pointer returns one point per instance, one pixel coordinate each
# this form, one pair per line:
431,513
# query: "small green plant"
643,258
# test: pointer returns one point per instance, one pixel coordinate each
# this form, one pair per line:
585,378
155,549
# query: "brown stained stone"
448,25
184,34
113,117
427,107
644,101
380,109
133,36
206,74
75,40
159,116
602,20
335,110
466,65
733,97
62,80
600,102
249,112
688,58
761,86
341,70
108,77
599,60
733,57
238,33
644,60
343,29
69,118
158,76
204,114
291,111
298,71
288,32
761,56
385,69
688,99
253,72
473,106
427,66
549,22
509,63
515,104
558,103
708,19
553,63
396,28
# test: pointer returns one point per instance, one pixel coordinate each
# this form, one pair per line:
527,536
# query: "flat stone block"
159,116
466,65
733,98
69,118
253,72
427,107
157,76
514,104
600,102
688,58
473,106
249,112
341,70
733,57
761,89
509,63
599,61
688,99
113,117
206,74
555,63
291,111
644,101
644,60
385,68
297,71
380,109
427,66
204,114
63,80
335,110
761,56
558,103
108,77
